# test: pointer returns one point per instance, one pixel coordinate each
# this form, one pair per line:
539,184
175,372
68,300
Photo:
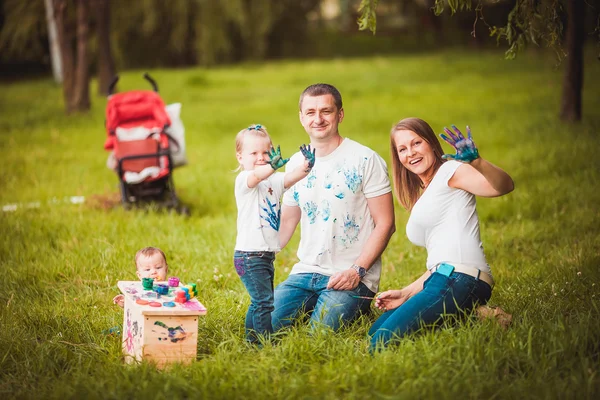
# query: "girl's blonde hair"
407,185
257,130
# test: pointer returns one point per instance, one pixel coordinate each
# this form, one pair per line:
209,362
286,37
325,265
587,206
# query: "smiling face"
415,154
320,117
255,151
152,266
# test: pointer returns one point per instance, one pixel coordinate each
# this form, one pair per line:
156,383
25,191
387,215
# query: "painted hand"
308,155
390,299
466,151
276,161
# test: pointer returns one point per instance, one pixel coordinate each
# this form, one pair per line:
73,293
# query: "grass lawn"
60,262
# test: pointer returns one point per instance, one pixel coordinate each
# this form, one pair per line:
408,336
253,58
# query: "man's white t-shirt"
444,220
259,212
335,220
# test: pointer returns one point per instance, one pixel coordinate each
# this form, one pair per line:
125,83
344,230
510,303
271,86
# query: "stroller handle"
112,85
152,81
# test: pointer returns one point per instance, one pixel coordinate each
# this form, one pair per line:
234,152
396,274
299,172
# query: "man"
346,216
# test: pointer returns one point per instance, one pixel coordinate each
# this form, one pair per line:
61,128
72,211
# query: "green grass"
60,262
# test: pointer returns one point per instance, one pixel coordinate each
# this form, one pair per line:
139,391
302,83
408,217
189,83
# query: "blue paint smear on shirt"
351,230
310,208
353,179
326,210
271,215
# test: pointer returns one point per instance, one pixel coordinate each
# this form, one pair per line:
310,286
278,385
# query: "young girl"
258,191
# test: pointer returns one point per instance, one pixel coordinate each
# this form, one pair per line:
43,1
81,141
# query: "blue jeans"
441,295
308,293
255,269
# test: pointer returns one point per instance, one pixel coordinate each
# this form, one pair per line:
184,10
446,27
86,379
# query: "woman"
440,196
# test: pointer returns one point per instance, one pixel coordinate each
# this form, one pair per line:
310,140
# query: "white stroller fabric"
177,132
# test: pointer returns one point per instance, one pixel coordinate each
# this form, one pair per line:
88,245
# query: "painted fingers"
276,161
308,155
466,151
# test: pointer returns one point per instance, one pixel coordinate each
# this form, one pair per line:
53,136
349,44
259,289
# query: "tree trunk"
53,42
66,51
81,90
106,65
570,109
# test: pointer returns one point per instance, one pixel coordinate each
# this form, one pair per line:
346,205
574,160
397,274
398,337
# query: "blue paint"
351,230
328,183
339,193
271,215
310,180
311,211
296,195
325,210
353,179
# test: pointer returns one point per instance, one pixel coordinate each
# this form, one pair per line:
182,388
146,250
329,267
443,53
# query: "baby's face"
153,266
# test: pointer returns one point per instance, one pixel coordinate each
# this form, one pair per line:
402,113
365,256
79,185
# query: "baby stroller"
137,125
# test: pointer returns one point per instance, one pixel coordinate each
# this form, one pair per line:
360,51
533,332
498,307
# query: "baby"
150,262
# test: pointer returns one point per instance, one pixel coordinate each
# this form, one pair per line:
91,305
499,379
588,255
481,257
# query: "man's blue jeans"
308,293
441,295
256,271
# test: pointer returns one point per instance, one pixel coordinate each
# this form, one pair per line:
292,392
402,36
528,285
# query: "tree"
530,21
76,79
106,65
53,42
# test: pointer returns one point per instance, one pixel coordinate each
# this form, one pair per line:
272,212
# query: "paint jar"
147,283
173,281
162,288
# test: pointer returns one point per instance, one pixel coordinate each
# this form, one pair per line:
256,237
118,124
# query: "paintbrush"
363,297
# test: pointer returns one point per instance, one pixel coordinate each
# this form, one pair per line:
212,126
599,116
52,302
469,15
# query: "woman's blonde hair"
257,130
407,185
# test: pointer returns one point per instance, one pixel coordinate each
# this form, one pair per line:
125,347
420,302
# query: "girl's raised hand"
276,161
466,151
308,155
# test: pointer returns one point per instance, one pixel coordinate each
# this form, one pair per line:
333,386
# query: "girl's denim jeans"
441,295
255,269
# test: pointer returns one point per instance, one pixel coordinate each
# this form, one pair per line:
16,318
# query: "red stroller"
136,124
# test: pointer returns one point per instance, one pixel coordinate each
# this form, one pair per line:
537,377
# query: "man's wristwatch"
359,270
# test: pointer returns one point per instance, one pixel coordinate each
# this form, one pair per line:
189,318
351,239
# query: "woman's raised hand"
466,151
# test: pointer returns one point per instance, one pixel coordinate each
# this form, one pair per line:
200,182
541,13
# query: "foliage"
368,15
530,21
61,261
24,29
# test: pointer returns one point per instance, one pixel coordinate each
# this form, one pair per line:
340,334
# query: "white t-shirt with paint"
259,212
444,221
336,222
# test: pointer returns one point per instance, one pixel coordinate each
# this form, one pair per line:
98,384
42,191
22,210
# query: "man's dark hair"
321,89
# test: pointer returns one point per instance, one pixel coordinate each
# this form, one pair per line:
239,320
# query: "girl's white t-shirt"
444,220
259,212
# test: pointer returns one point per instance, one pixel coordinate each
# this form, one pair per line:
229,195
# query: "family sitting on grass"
341,195
339,192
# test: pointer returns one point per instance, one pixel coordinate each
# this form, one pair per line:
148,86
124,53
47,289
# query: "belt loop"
478,273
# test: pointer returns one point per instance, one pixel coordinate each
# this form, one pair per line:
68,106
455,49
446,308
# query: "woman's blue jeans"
308,293
441,295
255,269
